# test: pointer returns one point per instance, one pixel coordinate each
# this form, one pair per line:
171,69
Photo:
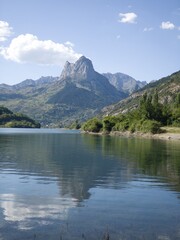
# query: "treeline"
150,116
16,120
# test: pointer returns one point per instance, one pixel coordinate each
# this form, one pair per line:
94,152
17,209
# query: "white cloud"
16,210
127,17
148,29
29,49
68,43
5,31
167,25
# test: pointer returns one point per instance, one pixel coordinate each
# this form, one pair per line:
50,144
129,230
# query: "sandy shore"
163,136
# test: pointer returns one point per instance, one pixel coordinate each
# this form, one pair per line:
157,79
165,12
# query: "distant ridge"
124,82
167,89
81,78
78,93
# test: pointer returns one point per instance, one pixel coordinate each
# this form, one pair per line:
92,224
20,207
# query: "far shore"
163,136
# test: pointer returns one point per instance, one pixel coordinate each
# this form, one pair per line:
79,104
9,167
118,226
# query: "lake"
58,184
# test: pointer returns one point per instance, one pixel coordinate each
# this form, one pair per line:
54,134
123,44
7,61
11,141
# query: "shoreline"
161,136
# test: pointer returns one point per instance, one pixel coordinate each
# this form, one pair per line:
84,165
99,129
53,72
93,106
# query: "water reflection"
48,179
16,209
154,158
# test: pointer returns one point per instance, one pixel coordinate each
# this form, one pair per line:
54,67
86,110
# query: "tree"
177,100
146,107
109,122
93,125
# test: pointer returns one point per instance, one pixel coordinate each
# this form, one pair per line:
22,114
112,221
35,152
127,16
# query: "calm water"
57,184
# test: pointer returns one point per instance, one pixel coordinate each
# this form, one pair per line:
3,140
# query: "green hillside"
16,120
167,89
156,105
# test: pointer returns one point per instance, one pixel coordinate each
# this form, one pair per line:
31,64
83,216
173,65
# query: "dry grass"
171,129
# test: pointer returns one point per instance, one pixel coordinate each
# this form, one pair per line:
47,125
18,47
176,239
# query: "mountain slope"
82,75
167,89
79,93
34,83
123,82
16,120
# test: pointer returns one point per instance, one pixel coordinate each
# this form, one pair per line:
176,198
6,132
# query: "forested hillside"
150,116
167,89
16,120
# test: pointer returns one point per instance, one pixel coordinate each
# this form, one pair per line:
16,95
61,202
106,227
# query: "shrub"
132,127
93,125
121,126
150,126
21,124
109,122
75,125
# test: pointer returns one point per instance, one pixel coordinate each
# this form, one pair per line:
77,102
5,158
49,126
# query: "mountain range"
124,82
79,92
167,88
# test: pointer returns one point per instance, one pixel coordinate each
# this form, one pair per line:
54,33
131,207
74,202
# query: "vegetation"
75,125
165,82
16,120
93,125
149,117
167,89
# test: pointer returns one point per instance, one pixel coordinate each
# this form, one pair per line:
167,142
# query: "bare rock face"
81,74
81,69
124,82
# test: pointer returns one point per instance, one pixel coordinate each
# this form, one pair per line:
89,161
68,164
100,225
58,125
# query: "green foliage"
19,124
177,101
93,125
75,125
133,125
163,82
17,120
122,125
148,118
151,109
150,126
109,122
4,110
176,117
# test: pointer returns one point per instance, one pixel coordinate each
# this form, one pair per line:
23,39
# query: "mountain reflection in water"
55,184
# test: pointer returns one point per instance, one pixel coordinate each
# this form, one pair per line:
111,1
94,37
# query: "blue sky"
137,37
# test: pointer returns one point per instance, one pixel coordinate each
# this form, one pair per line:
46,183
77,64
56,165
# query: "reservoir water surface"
59,184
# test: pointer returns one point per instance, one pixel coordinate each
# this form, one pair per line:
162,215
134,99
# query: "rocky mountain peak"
81,69
84,62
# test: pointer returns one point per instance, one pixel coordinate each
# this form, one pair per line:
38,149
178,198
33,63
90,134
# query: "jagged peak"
83,64
83,60
82,68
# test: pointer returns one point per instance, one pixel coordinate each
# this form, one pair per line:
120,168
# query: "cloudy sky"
137,37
